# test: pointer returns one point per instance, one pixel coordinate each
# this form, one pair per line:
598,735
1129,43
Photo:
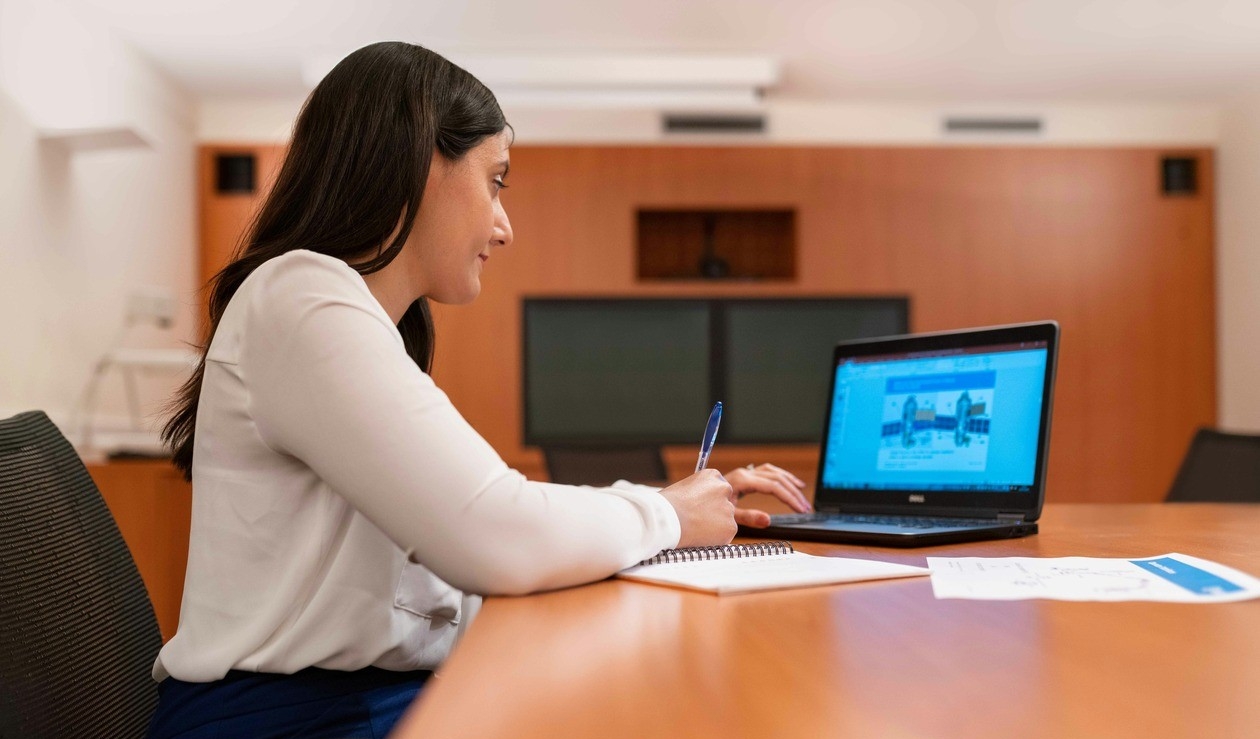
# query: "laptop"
932,439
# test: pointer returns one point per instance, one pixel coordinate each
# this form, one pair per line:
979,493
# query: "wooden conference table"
883,659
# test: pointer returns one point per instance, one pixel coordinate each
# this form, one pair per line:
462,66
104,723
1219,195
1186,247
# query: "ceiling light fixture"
642,81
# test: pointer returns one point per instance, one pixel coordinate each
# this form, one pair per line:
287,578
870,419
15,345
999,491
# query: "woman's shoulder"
283,291
296,279
300,266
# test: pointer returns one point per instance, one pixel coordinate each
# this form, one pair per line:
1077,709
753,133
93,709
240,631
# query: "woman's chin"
460,297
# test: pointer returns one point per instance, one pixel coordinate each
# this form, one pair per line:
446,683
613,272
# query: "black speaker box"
234,173
1180,175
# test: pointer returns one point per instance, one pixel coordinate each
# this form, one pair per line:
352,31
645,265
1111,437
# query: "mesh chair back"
575,465
1220,468
77,632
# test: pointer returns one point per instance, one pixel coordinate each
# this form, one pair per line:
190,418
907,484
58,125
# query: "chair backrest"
578,465
77,632
1219,467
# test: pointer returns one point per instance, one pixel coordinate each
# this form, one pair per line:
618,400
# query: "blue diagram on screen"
938,422
960,421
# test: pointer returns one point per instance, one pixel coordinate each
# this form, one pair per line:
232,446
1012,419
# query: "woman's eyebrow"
506,165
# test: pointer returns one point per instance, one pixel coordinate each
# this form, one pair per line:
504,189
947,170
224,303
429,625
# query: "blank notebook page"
769,572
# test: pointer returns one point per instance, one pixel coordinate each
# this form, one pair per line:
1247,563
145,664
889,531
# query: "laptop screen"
951,419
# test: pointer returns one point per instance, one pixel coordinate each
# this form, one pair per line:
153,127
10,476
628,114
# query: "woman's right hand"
705,504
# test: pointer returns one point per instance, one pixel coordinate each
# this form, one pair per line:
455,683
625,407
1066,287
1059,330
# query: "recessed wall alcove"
716,244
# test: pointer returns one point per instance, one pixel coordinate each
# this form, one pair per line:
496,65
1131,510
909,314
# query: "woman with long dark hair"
346,519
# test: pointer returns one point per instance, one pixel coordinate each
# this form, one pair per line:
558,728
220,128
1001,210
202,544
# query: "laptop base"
900,538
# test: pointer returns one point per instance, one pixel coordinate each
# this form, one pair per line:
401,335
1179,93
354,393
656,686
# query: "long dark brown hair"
358,159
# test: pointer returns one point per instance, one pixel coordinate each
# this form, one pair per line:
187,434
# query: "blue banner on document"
1185,576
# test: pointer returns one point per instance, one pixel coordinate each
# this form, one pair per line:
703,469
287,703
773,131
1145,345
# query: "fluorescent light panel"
674,99
610,71
664,81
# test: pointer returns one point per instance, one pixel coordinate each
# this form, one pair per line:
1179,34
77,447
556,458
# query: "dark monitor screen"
609,371
647,371
777,358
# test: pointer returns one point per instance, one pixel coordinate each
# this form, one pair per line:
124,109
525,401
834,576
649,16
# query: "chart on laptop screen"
964,420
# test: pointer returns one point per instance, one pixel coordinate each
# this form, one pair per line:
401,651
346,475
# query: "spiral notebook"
744,568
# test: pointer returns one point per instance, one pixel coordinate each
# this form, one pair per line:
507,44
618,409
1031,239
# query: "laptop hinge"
1019,517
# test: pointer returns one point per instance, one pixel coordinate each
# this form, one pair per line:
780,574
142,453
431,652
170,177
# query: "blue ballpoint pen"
710,435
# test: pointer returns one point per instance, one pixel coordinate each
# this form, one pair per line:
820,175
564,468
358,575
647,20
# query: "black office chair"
77,631
598,465
1219,468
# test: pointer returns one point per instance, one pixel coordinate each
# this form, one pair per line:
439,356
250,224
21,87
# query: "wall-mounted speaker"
234,174
1179,175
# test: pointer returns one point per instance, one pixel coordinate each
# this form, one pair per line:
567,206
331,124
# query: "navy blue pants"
310,704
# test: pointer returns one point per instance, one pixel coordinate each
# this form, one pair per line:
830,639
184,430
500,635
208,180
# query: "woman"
344,514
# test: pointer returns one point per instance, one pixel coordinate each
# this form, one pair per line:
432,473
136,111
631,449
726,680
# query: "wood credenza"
153,507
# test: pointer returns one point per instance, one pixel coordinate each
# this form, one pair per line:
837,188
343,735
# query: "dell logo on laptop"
916,498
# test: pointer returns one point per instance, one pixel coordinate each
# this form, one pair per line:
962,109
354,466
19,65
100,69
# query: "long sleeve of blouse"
331,387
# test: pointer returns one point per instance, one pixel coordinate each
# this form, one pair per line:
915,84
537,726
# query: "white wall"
1238,266
1067,123
247,120
79,230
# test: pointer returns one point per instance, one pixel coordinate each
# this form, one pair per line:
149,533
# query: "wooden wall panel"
222,218
974,235
152,505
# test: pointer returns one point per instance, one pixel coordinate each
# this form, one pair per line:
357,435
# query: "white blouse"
344,512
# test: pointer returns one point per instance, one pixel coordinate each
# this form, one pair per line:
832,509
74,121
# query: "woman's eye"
499,183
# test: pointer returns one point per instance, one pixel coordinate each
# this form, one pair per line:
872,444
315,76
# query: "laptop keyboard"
912,522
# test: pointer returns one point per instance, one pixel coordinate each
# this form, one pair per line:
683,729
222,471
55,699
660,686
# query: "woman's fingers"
752,518
771,480
791,478
782,486
705,509
795,484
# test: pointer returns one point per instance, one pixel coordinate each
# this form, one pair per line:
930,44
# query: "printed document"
1174,578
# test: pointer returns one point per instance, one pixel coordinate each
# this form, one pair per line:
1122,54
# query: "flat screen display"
776,358
647,371
616,371
966,421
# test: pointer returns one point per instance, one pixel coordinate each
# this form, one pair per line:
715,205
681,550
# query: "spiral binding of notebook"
728,551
